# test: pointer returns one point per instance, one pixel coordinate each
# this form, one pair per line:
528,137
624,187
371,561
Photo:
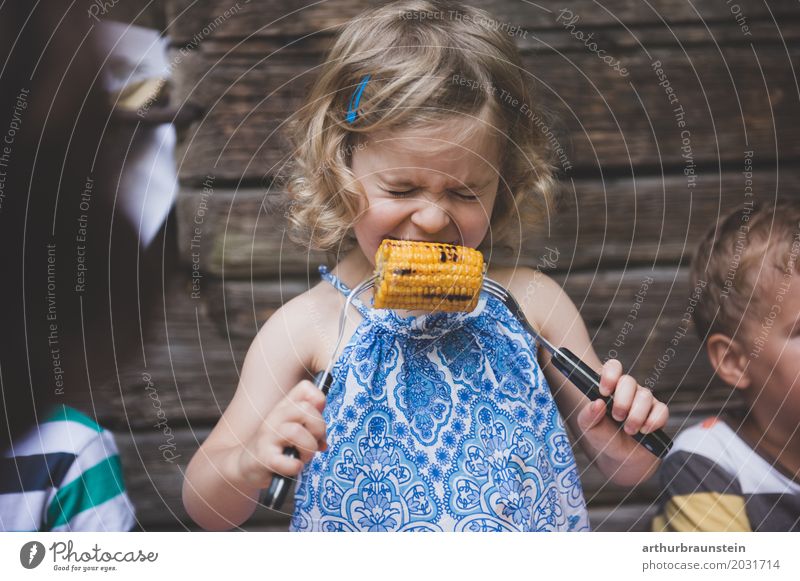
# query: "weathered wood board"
187,19
599,224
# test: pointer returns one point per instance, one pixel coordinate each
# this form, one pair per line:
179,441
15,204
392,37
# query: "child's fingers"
301,412
313,421
591,415
623,397
280,463
297,436
307,391
659,414
266,457
305,414
640,410
609,376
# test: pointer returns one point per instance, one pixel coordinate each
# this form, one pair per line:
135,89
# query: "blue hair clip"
352,107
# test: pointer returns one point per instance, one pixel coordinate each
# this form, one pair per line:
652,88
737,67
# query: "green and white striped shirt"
64,475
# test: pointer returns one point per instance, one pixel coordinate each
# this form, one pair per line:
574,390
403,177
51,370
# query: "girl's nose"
431,218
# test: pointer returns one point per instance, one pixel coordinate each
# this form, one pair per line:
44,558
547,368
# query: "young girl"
419,127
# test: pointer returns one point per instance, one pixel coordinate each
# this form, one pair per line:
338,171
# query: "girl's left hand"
634,406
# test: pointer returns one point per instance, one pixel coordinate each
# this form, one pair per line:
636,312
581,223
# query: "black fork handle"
280,485
588,381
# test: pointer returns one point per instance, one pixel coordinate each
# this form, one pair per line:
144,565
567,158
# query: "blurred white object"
135,72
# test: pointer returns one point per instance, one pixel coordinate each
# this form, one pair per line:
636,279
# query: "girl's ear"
729,360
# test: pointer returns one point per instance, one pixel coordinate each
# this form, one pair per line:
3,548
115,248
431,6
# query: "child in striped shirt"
64,475
741,472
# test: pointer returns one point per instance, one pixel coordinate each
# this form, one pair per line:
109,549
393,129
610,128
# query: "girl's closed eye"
403,193
466,196
400,193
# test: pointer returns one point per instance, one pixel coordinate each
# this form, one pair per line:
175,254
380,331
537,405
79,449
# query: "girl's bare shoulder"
309,320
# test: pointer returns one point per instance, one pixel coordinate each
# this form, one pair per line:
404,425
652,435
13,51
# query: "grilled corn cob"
427,275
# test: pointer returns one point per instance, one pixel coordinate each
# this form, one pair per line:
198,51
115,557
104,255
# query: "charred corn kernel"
427,275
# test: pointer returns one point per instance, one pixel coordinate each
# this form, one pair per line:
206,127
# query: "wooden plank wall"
628,212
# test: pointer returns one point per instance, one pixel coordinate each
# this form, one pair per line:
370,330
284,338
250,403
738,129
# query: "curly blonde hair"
429,61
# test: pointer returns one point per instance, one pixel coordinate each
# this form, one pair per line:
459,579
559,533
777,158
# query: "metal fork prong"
362,287
498,289
490,282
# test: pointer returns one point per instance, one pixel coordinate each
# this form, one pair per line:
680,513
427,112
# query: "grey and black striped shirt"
712,480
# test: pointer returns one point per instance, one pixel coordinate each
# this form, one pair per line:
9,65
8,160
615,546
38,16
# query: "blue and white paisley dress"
440,422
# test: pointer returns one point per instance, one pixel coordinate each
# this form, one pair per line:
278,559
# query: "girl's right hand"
296,421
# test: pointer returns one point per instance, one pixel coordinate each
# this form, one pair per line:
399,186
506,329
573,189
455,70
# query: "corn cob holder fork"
443,277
